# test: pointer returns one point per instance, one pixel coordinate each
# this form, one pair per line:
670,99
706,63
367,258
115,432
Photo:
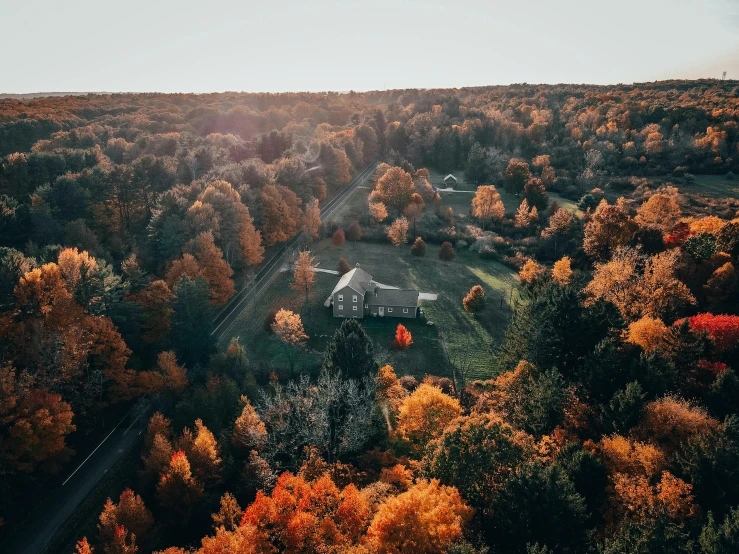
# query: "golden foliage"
487,204
398,231
426,519
562,271
648,332
423,416
530,272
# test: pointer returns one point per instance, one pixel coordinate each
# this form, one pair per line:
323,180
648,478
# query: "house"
357,295
450,181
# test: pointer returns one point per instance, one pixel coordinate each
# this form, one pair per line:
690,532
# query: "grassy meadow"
446,335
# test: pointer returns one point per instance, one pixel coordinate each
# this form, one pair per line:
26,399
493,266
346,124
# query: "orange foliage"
426,519
647,332
398,231
423,416
671,421
403,338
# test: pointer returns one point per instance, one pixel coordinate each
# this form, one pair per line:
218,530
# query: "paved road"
33,537
61,503
225,320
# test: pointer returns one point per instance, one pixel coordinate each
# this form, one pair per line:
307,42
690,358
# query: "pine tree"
191,310
350,352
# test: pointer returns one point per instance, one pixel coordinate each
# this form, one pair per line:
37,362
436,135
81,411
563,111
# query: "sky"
287,45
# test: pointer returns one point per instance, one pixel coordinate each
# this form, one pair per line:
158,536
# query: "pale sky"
287,45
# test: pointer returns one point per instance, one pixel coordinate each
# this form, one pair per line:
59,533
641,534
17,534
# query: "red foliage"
403,338
178,454
678,236
715,368
723,329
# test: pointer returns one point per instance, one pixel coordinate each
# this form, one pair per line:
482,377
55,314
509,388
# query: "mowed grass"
453,337
713,185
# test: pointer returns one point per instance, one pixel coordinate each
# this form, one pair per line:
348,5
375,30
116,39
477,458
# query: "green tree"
538,505
191,315
350,352
721,538
517,174
477,454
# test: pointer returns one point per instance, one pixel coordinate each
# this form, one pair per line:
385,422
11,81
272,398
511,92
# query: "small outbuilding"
450,181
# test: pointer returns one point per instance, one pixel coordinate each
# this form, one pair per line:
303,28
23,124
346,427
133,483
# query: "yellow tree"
648,332
312,218
525,216
423,416
661,212
426,519
394,189
288,327
562,271
487,205
249,431
398,231
530,272
378,211
305,274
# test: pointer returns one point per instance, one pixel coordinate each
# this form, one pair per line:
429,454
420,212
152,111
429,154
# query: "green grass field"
452,337
713,185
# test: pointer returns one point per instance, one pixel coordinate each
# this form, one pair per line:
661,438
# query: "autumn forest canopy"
598,413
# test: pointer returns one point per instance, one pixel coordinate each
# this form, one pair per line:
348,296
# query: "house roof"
357,279
450,175
392,297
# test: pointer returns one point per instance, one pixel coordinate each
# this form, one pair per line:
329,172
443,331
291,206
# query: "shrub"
339,238
354,232
447,252
419,247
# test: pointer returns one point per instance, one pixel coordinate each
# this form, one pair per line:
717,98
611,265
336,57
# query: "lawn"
713,185
449,335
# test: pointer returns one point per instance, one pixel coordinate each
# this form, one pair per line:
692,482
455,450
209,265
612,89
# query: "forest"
600,414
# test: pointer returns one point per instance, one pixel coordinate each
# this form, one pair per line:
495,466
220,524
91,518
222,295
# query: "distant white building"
450,181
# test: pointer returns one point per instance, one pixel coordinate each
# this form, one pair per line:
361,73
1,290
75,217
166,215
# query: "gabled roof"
357,279
392,297
450,175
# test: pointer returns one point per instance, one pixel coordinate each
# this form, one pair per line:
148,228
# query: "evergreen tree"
350,352
191,314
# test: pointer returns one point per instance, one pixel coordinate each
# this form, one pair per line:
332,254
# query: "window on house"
354,298
405,310
341,307
354,308
389,310
341,298
366,306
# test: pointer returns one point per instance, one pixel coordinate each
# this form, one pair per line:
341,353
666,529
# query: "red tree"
723,329
403,338
339,238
